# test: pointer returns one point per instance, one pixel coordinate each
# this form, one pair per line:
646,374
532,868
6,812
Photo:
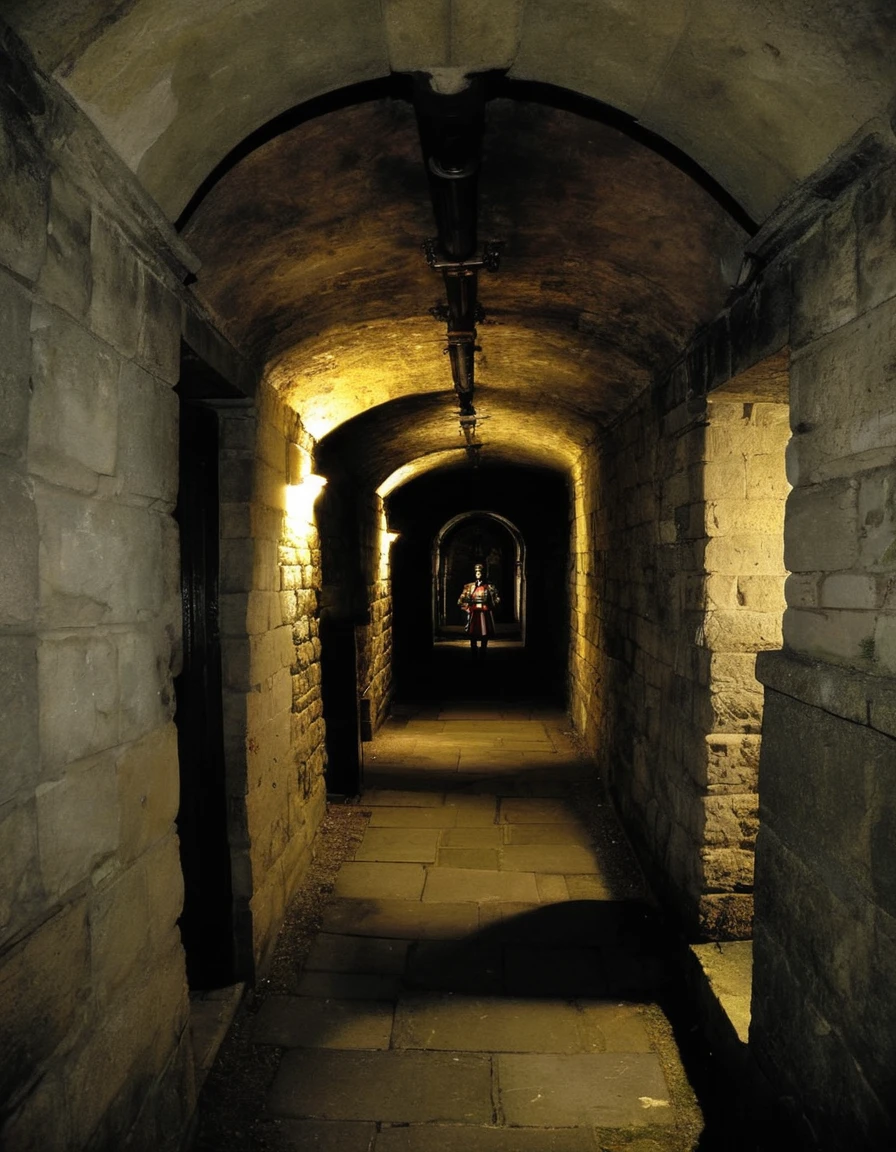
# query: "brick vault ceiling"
310,243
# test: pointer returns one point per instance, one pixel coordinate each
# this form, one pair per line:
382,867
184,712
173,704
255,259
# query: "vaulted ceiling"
629,146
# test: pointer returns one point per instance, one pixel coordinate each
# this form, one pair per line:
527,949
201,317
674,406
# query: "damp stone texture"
680,588
274,728
92,974
374,638
824,993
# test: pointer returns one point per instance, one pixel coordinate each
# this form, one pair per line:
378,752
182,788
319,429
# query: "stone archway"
487,538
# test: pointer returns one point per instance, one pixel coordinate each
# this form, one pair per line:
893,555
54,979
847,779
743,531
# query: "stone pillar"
824,1001
91,965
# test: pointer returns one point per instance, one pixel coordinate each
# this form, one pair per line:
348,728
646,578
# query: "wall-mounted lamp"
392,537
303,486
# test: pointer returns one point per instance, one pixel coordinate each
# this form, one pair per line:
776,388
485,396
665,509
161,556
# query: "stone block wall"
824,1014
681,586
94,1035
274,729
375,637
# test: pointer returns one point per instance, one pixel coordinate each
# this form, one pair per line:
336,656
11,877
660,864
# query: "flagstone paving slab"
594,887
387,881
414,817
392,1087
480,858
319,1135
399,845
356,954
393,798
609,1089
569,834
463,966
535,811
621,1027
349,985
447,885
466,1138
476,1024
551,889
563,859
302,1022
404,919
488,836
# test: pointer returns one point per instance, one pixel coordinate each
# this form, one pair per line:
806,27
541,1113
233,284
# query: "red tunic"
478,600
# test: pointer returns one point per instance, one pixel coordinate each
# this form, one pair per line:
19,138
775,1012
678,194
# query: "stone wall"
824,1010
680,587
94,1035
375,637
274,730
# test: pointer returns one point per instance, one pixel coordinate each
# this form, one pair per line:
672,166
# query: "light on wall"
303,487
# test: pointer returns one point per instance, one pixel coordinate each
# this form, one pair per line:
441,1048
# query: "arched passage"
489,539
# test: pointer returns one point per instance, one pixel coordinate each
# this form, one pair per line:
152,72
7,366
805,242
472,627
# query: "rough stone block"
42,981
741,631
22,896
146,689
24,174
15,366
66,278
876,228
100,561
147,436
158,344
147,792
120,931
19,746
849,590
733,761
728,869
116,306
18,558
744,554
824,277
821,528
877,520
77,822
73,429
837,634
79,693
834,421
731,821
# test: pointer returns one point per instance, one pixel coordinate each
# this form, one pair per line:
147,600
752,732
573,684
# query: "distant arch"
479,536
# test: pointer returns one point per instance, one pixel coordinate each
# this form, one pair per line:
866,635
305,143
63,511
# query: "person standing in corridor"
478,599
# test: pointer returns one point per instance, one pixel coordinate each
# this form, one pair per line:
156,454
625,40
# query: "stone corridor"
490,969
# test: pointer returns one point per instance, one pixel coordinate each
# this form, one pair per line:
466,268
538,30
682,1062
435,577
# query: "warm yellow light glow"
300,500
391,537
416,468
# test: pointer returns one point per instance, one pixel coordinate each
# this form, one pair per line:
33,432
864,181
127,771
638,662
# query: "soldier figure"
478,599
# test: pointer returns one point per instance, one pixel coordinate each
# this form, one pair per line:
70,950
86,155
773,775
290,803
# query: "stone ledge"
845,692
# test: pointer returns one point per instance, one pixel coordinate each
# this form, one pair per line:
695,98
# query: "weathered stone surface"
148,791
821,528
15,366
22,896
18,559
18,714
42,981
66,278
24,172
397,1087
147,436
835,422
89,567
304,1022
116,306
77,822
824,277
469,1024
158,344
356,954
120,931
401,919
470,1138
386,881
73,429
82,718
447,885
876,229
600,1089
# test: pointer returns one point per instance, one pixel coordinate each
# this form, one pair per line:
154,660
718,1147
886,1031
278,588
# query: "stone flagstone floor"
486,979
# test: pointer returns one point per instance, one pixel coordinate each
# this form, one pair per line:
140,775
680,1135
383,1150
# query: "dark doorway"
339,696
206,923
